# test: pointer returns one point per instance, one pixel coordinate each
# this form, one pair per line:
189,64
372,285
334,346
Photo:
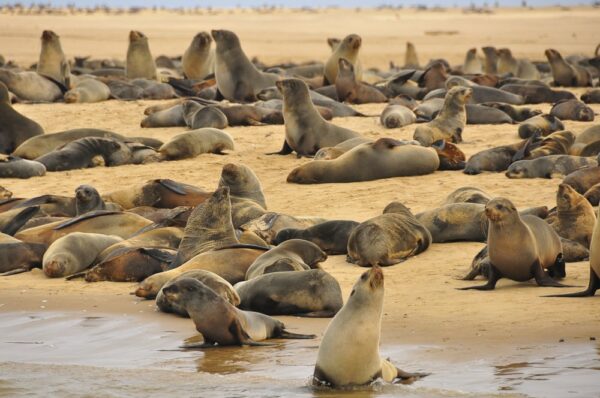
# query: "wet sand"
461,337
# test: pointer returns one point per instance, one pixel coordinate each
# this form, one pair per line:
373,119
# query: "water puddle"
71,355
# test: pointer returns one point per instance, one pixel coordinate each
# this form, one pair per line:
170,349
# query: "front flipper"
542,278
284,334
285,150
407,378
493,277
475,272
590,291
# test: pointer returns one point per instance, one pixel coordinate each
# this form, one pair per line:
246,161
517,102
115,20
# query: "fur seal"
196,116
565,74
221,323
455,222
74,252
17,256
349,355
98,222
583,179
198,60
330,153
331,236
15,167
593,195
575,218
130,264
268,225
482,94
411,60
305,129
348,48
170,117
479,114
548,166
516,113
87,91
312,293
388,239
557,143
237,78
591,96
88,199
472,64
15,128
467,195
291,255
384,158
450,156
395,116
520,248
193,143
161,193
210,279
139,63
491,60
540,124
52,62
350,90
572,110
522,68
594,283
537,94
246,194
450,122
5,193
30,86
79,154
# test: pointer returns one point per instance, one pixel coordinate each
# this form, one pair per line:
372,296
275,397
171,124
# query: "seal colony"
218,255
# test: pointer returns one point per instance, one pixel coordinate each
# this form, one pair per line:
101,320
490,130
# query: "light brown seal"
565,74
140,63
52,62
574,218
348,48
196,142
198,60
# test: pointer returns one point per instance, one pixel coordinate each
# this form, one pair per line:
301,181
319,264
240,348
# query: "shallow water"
73,355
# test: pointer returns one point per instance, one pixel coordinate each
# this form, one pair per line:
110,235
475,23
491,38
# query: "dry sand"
422,305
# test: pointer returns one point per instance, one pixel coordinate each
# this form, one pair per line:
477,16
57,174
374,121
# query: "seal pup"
348,48
197,116
15,128
349,355
52,62
196,142
565,74
540,124
350,90
575,218
219,322
74,252
139,63
305,129
15,167
331,236
210,279
268,225
548,166
388,239
237,78
449,123
246,194
30,86
87,91
572,110
384,158
557,143
520,248
87,199
198,60
395,116
291,255
594,283
313,293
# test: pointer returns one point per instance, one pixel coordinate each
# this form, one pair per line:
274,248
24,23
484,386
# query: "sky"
293,3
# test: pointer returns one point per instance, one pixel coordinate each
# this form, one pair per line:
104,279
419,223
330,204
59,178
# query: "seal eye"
499,207
363,276
352,294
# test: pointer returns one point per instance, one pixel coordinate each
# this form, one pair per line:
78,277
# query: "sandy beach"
427,325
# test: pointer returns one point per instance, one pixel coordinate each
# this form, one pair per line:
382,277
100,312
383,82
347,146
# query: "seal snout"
48,35
54,269
375,277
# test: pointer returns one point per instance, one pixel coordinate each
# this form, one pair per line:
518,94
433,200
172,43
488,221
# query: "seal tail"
284,334
590,291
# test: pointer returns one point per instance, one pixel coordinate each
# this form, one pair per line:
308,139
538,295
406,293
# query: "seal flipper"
475,272
542,278
557,270
19,220
284,334
285,150
493,277
15,271
242,337
590,291
173,186
317,314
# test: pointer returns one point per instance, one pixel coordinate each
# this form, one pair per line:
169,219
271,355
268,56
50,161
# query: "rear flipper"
542,278
408,378
15,271
318,314
284,334
590,291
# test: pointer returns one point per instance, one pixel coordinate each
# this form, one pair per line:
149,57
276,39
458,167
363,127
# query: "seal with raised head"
384,158
450,121
520,248
566,74
411,60
210,279
594,283
246,194
193,143
348,48
388,239
291,255
331,236
15,128
88,199
349,355
221,323
198,60
237,78
548,166
353,91
52,62
575,218
139,63
305,129
312,293
472,64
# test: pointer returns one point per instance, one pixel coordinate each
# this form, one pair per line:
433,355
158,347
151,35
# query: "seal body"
198,60
348,48
139,63
331,236
548,166
193,143
15,128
